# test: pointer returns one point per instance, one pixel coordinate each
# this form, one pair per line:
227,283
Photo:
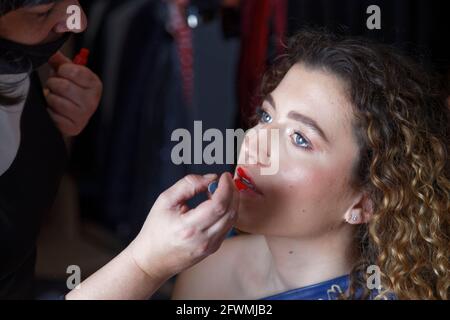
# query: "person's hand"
73,95
175,237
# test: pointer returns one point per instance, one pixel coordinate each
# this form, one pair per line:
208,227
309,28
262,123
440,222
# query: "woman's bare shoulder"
220,275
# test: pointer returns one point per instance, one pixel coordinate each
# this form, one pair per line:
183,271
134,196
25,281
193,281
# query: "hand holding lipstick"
74,93
175,237
242,182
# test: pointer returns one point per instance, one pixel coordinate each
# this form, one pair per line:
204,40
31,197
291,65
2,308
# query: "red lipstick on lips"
243,181
240,185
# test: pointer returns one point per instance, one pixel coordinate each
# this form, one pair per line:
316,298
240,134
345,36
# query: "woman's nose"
72,18
258,146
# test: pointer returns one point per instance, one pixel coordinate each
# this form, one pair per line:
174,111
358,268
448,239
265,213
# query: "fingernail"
212,187
210,176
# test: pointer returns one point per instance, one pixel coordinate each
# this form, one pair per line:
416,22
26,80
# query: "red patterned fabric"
183,39
259,19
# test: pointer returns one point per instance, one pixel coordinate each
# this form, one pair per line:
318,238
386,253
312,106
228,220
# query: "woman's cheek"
307,188
302,190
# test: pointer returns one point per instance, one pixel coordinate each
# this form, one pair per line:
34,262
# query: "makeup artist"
33,159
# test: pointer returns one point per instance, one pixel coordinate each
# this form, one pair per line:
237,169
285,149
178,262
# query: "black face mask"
24,58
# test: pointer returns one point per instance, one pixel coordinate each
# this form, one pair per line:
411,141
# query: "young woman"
362,191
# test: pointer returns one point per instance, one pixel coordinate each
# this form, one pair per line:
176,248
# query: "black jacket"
27,192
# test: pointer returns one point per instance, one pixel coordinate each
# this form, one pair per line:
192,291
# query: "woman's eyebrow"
307,121
41,7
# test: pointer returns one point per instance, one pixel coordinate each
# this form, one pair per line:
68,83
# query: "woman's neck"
296,262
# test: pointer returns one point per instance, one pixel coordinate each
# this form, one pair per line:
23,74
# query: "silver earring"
354,217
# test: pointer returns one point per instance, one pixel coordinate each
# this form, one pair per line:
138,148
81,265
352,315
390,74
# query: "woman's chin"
249,220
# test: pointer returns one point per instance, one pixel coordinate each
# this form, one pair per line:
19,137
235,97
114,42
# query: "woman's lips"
240,185
244,182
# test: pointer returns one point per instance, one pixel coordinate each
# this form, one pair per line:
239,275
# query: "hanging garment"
132,149
269,18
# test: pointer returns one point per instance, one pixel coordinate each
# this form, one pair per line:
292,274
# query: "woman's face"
310,194
39,24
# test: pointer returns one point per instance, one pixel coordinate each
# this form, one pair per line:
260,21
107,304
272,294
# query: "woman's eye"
45,14
264,116
300,141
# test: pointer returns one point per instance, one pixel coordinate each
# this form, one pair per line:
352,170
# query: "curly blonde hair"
402,126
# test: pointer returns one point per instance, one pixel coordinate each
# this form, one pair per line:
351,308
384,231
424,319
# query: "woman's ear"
361,211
